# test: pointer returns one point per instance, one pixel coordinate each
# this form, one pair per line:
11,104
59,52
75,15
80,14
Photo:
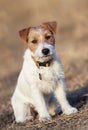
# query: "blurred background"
72,33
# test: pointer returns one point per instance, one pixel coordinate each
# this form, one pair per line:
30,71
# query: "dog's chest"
48,79
47,73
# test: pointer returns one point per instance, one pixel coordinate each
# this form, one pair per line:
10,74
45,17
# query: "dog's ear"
24,34
52,26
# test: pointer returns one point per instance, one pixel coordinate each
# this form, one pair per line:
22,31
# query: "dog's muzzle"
44,52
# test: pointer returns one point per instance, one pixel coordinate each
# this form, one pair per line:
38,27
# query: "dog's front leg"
40,105
61,97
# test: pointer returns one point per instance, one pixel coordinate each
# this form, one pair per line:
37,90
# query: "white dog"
41,81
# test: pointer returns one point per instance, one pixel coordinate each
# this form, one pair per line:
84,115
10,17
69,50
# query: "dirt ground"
71,46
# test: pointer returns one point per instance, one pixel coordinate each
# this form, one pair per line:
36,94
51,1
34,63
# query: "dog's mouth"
44,58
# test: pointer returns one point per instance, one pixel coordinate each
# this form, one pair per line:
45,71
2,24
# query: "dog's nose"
45,51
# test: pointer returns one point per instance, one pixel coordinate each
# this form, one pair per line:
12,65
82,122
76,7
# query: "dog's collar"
39,64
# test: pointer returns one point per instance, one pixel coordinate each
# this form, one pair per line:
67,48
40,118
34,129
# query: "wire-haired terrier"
41,81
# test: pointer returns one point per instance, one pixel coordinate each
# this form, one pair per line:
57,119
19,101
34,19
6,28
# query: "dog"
41,81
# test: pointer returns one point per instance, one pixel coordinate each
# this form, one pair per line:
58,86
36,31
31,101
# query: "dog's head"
40,40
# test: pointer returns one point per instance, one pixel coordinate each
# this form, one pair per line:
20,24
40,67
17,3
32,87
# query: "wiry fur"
41,94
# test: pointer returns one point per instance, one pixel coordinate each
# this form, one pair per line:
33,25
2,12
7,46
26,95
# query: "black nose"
45,51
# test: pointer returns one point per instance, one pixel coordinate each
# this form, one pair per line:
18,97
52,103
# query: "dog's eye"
48,37
34,41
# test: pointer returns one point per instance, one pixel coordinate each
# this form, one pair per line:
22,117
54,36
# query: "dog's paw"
20,120
29,118
44,118
70,110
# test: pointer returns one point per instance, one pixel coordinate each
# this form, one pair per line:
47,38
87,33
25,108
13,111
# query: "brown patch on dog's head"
38,34
52,26
24,34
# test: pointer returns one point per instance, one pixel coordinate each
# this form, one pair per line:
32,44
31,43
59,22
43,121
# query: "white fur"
39,55
30,89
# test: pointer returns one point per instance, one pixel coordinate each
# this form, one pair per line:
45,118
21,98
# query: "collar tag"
40,76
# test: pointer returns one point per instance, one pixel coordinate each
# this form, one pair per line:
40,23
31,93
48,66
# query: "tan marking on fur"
34,60
24,33
52,26
39,34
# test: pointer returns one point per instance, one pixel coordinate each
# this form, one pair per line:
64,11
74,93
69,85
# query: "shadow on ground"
78,97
